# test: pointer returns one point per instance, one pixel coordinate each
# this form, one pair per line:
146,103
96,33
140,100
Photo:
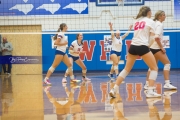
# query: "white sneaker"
86,79
46,81
169,86
64,80
112,93
152,94
145,86
111,78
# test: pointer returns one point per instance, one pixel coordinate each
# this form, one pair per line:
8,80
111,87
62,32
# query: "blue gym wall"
96,64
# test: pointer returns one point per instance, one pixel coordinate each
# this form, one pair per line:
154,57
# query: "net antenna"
120,2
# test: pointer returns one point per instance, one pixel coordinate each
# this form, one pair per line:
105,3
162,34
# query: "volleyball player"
159,52
116,49
75,50
144,36
60,54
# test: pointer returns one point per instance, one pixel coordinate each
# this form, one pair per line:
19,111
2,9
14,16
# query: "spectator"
7,52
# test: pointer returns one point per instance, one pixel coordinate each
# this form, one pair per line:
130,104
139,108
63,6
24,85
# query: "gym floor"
24,97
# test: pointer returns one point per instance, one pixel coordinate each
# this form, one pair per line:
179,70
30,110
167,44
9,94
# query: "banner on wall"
166,42
43,7
176,10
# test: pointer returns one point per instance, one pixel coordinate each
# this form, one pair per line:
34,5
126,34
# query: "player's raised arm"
111,29
127,33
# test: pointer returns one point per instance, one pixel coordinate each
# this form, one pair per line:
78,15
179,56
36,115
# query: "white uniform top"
142,28
63,39
158,31
76,47
117,44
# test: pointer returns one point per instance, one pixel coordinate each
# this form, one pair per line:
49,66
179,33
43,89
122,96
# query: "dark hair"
158,13
62,25
143,12
77,38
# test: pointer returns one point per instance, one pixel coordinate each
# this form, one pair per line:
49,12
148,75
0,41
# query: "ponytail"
62,25
55,37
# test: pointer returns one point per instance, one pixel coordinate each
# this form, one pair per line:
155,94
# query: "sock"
46,78
72,77
167,81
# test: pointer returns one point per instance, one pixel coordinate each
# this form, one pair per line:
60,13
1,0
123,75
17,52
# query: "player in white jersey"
75,50
144,36
60,54
116,49
158,50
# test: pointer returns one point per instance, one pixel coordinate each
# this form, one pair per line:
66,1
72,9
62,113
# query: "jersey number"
139,25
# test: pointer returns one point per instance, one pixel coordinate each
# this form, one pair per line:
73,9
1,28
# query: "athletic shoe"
169,86
151,94
145,86
86,79
46,81
111,77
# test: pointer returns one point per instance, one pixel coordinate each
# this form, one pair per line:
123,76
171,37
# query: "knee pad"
84,71
51,69
70,69
153,75
115,67
123,73
167,67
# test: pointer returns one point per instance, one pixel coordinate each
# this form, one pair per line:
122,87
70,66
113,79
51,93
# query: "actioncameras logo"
23,60
20,60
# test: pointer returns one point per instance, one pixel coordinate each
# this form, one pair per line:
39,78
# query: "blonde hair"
158,13
143,11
